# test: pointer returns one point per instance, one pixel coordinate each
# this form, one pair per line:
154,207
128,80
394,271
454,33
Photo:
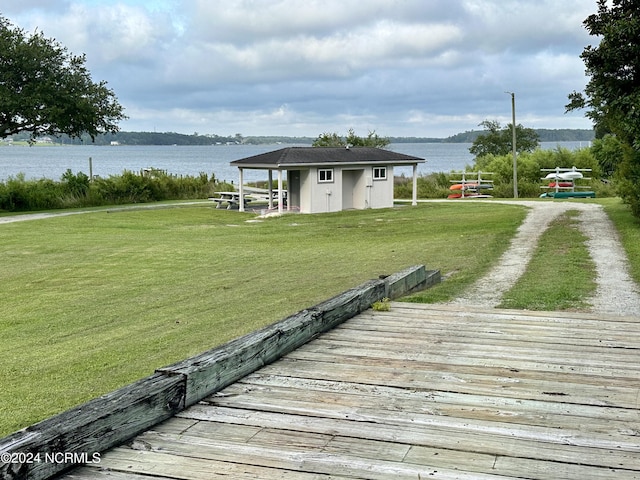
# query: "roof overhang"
299,166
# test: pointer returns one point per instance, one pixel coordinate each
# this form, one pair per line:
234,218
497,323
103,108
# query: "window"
325,175
379,173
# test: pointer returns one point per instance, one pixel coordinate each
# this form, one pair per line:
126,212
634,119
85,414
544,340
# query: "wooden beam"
118,416
81,433
213,370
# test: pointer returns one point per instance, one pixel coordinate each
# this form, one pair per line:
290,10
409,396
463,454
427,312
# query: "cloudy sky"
427,68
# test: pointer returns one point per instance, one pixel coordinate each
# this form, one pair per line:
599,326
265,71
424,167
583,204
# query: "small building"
330,179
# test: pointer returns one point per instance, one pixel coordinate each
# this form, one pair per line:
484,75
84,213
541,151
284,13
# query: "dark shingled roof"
315,156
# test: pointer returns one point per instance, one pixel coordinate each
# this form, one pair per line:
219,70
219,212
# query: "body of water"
52,161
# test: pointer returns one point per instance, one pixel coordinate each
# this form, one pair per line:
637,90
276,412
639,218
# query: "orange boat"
463,186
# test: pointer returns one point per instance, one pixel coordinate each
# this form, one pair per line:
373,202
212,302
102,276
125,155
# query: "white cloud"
422,68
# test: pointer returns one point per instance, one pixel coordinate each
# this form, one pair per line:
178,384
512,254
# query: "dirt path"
616,292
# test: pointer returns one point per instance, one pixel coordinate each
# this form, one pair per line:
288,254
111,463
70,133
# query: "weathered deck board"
418,392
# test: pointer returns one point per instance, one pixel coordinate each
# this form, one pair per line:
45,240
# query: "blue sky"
427,68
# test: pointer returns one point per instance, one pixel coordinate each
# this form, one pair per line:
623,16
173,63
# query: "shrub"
530,174
433,185
77,190
627,178
18,194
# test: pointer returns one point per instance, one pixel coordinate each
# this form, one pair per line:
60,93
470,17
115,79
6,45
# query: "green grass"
92,302
628,228
561,274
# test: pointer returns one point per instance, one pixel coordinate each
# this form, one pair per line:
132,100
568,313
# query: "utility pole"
513,142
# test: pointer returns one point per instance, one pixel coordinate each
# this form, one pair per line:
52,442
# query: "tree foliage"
45,90
612,95
499,141
352,140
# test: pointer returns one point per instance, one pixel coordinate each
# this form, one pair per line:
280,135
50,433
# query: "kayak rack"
470,185
561,183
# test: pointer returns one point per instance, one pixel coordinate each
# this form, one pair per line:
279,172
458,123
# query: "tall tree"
353,140
612,95
45,90
499,141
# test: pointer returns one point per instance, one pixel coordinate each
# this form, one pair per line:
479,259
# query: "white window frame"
379,173
325,175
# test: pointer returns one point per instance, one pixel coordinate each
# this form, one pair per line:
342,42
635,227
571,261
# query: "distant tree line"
544,135
172,138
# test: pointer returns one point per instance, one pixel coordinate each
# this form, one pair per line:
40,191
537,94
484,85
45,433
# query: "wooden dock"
419,392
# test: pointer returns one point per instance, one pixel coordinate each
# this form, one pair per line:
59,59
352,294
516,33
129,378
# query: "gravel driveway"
616,292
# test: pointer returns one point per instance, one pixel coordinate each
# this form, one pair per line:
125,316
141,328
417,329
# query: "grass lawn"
561,274
629,231
92,302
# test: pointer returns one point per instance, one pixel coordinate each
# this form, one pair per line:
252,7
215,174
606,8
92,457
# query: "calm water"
52,161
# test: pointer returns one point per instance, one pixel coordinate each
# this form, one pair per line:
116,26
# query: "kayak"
469,186
572,175
463,186
568,195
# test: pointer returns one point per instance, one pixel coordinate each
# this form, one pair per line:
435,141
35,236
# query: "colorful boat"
568,195
470,186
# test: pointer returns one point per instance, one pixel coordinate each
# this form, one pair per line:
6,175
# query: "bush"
628,180
18,194
530,174
77,190
434,185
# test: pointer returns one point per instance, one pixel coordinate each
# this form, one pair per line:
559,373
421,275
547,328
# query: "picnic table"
232,199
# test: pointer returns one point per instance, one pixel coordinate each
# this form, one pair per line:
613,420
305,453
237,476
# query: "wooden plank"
442,403
519,467
419,407
578,431
553,447
417,318
89,473
589,361
540,389
234,458
531,330
194,466
522,362
195,428
480,313
411,347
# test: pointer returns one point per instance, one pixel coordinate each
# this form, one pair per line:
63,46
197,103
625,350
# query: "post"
241,190
90,169
513,143
270,187
414,190
280,192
